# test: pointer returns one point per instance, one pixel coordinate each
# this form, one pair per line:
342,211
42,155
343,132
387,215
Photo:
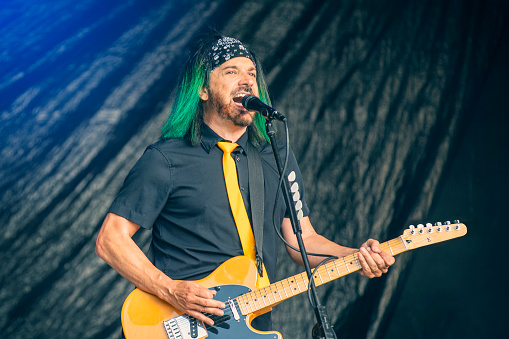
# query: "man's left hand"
373,260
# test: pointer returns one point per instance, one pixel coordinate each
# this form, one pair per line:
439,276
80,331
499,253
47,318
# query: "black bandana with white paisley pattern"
228,48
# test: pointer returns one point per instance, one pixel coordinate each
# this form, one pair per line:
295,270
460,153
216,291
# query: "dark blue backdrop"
397,113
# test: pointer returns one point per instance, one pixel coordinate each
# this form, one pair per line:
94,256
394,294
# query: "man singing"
177,189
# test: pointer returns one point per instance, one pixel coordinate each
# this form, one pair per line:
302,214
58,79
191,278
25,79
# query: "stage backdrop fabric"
397,115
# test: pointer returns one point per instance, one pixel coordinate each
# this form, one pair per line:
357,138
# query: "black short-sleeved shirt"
178,191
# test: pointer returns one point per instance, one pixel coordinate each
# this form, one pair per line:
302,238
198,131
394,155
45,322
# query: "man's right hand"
194,300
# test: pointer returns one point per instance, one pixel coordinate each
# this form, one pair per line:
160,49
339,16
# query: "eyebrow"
236,67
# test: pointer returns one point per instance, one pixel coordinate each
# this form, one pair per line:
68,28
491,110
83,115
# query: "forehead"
238,62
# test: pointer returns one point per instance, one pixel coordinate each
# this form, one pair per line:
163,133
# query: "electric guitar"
146,316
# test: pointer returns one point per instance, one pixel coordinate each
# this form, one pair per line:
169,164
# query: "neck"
225,129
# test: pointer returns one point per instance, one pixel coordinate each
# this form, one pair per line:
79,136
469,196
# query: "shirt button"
242,188
237,158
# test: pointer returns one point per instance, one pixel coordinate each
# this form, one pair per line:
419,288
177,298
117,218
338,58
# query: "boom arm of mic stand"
325,330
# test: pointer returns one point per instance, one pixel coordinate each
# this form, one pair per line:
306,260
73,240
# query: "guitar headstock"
423,235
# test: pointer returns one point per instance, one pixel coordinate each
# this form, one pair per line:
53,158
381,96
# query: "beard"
228,111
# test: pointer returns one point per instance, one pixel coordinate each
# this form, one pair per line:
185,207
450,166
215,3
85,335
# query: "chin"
245,121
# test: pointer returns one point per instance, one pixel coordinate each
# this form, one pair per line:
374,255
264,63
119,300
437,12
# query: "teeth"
240,95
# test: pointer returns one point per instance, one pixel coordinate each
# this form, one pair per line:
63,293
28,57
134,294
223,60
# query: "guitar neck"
289,287
275,293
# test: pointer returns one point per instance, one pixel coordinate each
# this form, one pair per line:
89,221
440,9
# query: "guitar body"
144,315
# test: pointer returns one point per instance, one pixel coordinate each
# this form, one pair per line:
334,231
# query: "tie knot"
227,146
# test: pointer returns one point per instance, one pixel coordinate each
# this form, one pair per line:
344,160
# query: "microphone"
253,103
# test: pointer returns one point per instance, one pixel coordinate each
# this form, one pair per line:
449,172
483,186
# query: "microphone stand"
323,329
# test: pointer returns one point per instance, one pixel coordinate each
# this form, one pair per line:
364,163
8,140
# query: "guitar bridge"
184,327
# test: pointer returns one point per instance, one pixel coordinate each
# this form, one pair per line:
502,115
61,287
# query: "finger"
376,263
211,306
201,317
369,266
204,292
373,245
207,306
192,297
388,259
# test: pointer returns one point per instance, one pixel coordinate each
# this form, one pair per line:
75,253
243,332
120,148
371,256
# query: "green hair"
186,115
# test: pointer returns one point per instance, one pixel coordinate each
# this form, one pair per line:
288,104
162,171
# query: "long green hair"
186,115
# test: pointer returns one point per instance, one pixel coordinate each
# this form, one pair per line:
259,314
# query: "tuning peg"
429,227
412,229
456,221
420,227
439,227
447,222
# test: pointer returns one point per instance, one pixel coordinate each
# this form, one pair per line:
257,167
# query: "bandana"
228,48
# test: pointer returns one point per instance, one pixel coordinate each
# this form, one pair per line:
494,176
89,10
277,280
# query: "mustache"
243,89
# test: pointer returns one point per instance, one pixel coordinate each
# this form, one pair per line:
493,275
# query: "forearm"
313,242
318,244
116,246
372,259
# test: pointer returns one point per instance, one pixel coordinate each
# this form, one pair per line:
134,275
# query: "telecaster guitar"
146,316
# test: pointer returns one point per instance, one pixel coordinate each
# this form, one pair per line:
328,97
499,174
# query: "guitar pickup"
234,310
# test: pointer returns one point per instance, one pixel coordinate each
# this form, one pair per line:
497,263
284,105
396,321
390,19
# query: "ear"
204,94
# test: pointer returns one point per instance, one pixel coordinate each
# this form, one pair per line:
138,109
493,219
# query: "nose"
246,79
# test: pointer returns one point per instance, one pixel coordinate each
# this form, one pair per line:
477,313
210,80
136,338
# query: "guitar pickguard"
232,325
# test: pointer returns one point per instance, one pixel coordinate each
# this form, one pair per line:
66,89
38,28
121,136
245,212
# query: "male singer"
177,189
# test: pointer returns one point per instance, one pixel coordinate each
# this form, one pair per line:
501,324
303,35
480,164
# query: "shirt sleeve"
145,190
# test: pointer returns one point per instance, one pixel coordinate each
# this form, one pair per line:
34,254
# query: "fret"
305,280
399,245
327,270
260,297
284,289
266,295
319,276
388,244
403,241
352,263
346,265
357,261
338,271
297,283
291,281
275,294
241,303
246,303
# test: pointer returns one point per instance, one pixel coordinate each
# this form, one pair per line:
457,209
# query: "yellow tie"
238,209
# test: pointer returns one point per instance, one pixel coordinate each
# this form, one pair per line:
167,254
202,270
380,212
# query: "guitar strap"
256,197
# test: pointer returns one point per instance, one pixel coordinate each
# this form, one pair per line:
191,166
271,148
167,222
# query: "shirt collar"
209,139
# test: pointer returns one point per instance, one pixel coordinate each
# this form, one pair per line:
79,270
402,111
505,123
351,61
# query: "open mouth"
238,98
